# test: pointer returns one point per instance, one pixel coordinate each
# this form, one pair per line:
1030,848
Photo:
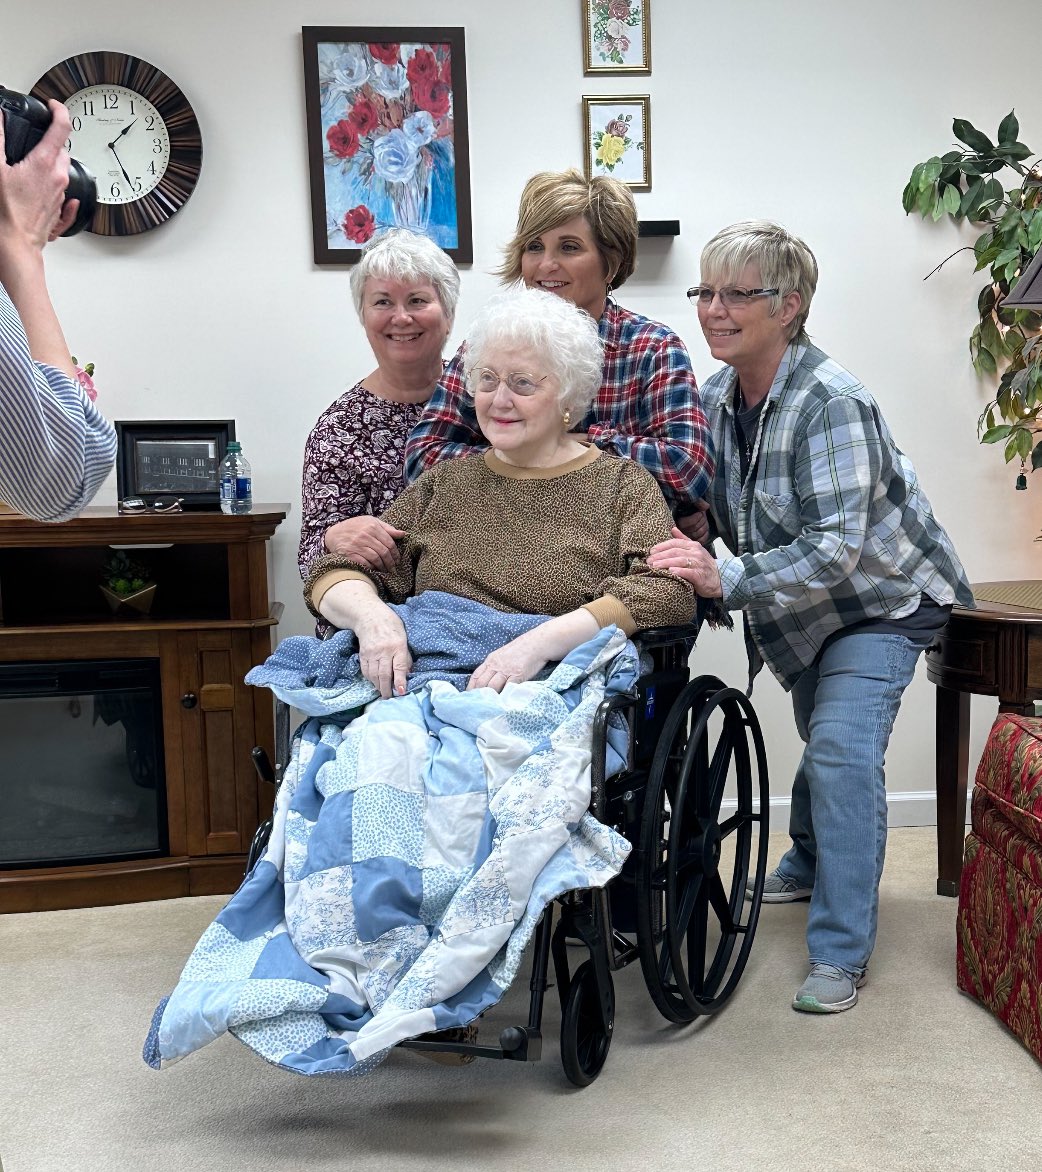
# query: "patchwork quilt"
416,842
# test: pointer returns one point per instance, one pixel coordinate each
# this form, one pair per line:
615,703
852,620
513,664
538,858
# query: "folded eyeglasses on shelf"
134,504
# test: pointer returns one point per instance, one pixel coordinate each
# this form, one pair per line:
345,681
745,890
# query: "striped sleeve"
56,447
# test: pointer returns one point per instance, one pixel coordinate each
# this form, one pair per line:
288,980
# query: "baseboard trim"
909,808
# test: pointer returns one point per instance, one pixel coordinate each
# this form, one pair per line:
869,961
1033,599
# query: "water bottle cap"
234,446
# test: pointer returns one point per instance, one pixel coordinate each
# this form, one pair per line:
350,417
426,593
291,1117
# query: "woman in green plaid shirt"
842,571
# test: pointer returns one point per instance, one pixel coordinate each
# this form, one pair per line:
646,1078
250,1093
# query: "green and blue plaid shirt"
830,527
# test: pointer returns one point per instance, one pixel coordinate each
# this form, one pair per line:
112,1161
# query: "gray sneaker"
778,889
827,989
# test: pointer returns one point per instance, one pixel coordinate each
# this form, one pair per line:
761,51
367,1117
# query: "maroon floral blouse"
353,464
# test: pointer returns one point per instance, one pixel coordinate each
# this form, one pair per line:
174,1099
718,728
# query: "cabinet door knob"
189,700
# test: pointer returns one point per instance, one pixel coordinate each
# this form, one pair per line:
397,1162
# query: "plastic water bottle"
236,482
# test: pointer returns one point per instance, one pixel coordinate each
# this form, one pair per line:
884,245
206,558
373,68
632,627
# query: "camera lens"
82,187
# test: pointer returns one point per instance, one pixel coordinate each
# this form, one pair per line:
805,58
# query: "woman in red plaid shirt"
577,238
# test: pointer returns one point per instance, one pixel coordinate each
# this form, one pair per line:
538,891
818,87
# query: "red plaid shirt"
647,409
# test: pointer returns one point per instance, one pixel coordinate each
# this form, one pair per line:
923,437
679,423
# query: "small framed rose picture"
618,138
616,36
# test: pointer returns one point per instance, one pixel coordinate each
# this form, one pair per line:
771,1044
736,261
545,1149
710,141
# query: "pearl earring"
566,418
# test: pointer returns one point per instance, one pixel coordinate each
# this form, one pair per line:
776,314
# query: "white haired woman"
405,290
843,572
539,523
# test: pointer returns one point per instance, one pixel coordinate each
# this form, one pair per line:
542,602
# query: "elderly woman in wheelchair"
485,739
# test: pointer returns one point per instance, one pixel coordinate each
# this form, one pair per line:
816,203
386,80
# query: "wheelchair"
687,901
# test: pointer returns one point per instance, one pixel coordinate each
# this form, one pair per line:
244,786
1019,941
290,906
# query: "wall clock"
135,131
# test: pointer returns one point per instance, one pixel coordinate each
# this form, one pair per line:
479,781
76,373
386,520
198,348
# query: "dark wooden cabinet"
211,621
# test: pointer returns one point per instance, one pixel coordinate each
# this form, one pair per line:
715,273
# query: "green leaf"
990,337
1012,269
1015,151
968,133
1023,443
987,360
950,200
1036,456
994,434
1034,230
970,197
986,300
924,202
931,172
989,418
1011,448
908,197
1009,128
1006,255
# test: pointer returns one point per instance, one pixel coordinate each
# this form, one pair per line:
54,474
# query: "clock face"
134,130
122,138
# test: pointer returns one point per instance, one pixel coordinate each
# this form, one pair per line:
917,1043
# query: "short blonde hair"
552,198
565,337
784,260
401,255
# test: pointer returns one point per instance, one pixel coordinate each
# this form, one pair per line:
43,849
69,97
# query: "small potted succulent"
127,585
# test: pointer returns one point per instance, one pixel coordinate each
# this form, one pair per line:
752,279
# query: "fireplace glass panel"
81,762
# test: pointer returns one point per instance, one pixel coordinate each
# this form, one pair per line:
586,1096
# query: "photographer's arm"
31,214
56,448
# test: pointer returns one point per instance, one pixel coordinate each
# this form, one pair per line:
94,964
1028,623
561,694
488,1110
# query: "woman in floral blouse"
405,290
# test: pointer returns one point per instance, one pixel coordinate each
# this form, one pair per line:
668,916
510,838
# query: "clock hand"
130,182
121,133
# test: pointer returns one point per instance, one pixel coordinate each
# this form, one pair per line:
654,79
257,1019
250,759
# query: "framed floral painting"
387,137
616,36
618,138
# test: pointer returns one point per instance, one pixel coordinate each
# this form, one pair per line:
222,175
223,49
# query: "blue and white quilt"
415,846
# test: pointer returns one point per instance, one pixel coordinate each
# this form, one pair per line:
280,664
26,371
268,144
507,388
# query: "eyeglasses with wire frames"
134,504
731,296
485,380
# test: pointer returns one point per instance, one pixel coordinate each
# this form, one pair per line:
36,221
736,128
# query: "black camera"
25,121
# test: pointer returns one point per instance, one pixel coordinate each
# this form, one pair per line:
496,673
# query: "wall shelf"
659,228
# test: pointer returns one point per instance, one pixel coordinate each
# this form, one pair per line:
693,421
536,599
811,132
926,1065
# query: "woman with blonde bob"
540,521
839,564
405,290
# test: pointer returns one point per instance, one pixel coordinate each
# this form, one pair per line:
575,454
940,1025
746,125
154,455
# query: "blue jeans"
845,707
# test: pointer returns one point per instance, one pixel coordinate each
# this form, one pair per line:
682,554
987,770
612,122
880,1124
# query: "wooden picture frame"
616,36
157,459
388,141
617,138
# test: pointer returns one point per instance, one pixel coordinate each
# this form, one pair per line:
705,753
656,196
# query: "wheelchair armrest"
663,636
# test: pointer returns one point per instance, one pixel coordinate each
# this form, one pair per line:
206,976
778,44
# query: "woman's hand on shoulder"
383,651
513,663
689,561
366,540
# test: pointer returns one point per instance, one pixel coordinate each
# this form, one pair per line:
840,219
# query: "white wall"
812,113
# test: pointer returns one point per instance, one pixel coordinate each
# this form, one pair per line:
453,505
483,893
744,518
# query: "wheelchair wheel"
694,927
584,1040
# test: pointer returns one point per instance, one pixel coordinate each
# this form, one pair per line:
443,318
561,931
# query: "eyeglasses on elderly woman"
486,381
731,296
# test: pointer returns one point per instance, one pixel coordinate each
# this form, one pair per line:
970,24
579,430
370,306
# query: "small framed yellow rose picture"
618,138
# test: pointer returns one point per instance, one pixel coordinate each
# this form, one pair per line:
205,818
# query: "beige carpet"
916,1077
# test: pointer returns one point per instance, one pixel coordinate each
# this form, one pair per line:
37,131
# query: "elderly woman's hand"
366,540
523,657
690,561
513,663
383,652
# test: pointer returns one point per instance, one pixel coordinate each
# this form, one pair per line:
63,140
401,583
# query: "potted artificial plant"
1007,341
127,584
